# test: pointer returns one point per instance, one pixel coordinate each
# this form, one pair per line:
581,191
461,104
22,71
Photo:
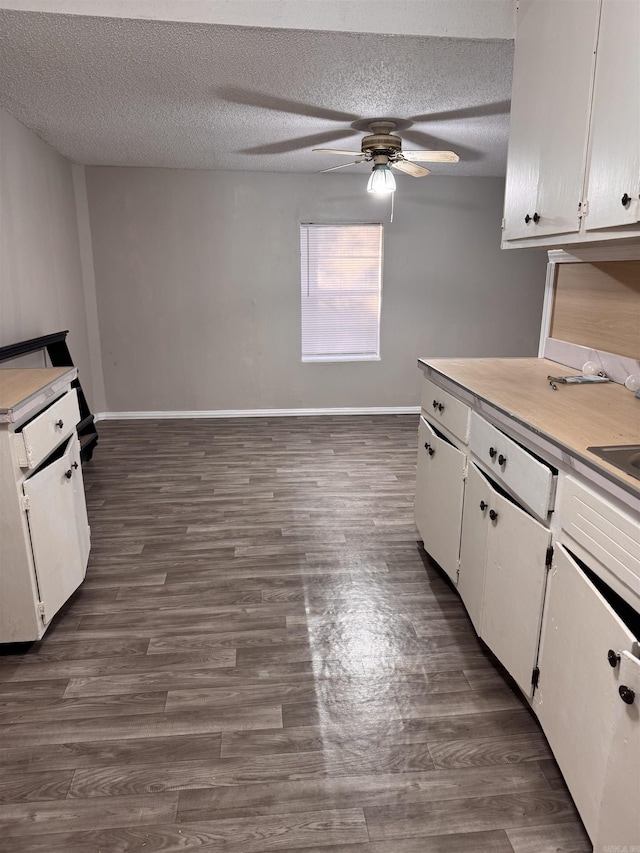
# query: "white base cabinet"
43,518
568,635
439,492
594,734
502,575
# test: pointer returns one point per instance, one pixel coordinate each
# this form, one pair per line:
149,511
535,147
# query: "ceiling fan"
384,149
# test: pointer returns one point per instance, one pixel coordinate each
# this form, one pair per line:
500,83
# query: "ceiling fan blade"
338,151
286,145
410,168
493,109
427,140
431,156
333,168
235,95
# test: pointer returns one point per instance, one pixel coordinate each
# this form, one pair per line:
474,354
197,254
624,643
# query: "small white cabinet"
439,493
503,560
43,517
573,168
594,734
613,188
554,55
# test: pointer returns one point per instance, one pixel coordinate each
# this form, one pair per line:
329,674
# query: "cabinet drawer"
604,532
45,432
529,480
446,410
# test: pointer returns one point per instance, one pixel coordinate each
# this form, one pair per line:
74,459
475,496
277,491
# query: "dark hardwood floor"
262,658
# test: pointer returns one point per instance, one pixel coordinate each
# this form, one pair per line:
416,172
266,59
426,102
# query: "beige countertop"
20,386
574,417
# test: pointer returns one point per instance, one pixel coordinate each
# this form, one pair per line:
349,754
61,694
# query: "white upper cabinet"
554,56
573,167
614,158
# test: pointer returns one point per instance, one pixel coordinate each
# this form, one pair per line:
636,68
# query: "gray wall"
41,286
197,279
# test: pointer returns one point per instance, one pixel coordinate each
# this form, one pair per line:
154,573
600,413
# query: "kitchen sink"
623,456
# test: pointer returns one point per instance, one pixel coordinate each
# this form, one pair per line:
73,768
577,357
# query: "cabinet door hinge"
549,558
26,503
503,224
535,677
41,610
583,207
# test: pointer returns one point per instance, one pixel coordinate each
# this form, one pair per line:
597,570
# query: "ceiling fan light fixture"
381,181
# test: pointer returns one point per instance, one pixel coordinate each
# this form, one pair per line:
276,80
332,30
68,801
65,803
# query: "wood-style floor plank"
263,658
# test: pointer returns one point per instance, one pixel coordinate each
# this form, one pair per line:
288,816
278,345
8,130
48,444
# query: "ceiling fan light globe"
381,181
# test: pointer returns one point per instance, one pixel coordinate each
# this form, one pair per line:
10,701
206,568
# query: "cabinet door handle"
60,424
435,404
74,465
626,199
483,505
426,445
502,460
440,407
535,218
493,515
613,658
68,473
626,694
431,451
492,452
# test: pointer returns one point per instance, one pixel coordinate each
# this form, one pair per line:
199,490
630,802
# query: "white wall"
197,279
41,286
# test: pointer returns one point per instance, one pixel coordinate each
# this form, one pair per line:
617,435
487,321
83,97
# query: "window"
341,285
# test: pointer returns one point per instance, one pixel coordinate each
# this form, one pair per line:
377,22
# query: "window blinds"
341,284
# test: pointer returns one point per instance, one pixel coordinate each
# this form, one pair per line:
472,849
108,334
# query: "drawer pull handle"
483,505
626,694
426,445
502,460
626,199
60,424
435,404
493,515
613,658
492,452
440,407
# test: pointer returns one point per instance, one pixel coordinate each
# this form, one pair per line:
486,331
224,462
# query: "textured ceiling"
160,93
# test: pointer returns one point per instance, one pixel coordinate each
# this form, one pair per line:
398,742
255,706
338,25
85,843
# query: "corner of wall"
89,287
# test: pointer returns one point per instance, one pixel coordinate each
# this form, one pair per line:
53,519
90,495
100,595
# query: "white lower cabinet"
58,528
439,493
44,533
587,656
503,570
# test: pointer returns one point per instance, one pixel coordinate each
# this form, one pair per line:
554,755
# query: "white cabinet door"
619,822
555,41
473,543
52,506
614,165
80,504
514,586
439,493
577,700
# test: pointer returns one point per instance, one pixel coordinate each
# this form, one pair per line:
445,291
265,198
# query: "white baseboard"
256,413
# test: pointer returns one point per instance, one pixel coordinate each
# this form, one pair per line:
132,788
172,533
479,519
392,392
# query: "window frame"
329,358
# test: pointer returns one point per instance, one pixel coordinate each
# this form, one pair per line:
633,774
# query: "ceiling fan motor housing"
381,141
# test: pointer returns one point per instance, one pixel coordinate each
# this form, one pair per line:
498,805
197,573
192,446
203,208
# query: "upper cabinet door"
555,41
614,164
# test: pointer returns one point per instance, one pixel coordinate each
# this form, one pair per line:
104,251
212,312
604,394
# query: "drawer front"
608,534
446,410
529,480
46,431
